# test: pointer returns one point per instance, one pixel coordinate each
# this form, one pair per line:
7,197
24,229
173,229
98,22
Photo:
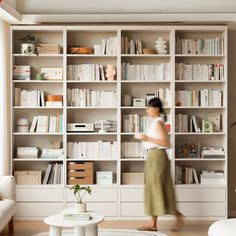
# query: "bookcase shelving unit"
117,201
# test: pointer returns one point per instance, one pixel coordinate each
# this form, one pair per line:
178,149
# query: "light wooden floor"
192,228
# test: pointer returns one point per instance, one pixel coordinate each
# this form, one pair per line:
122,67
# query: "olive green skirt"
159,192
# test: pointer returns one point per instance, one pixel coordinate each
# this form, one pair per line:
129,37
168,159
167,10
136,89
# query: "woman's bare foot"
179,222
148,227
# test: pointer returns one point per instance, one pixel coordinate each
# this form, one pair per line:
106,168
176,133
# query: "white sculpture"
110,72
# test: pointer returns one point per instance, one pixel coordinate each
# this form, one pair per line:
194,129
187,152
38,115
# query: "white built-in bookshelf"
118,200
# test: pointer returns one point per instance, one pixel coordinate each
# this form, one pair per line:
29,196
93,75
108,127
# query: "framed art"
189,150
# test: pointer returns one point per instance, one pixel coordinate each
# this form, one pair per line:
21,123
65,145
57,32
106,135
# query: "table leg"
92,230
55,231
79,231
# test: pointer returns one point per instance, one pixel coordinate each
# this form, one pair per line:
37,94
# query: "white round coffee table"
81,227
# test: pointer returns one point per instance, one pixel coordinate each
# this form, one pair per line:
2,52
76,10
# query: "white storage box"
104,177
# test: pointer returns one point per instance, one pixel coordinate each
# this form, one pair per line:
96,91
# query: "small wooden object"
49,48
81,50
80,173
149,51
54,98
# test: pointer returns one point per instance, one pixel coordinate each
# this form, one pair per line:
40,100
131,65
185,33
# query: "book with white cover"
42,125
34,124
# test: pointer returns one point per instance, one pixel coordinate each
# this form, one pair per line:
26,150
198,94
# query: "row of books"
187,123
135,123
200,46
185,175
131,46
91,98
199,98
45,124
133,150
109,46
157,72
86,72
54,174
29,98
21,72
92,150
35,152
212,177
201,72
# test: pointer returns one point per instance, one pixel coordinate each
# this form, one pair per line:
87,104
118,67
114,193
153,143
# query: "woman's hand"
142,137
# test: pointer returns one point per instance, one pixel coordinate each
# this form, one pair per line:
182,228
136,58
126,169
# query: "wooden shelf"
92,108
200,159
91,82
146,81
199,55
50,134
146,55
39,81
90,55
37,160
38,108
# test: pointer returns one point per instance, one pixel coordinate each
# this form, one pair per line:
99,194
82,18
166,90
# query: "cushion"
223,228
7,187
7,210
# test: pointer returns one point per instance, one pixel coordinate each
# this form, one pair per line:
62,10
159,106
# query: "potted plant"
79,192
29,44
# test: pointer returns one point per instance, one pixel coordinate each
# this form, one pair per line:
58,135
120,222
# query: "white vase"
28,48
80,207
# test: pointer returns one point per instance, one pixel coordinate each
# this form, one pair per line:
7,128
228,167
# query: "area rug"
110,232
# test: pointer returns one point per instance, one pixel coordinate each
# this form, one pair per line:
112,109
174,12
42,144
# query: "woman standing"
159,191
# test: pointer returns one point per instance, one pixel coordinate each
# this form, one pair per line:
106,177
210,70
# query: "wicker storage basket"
28,177
132,178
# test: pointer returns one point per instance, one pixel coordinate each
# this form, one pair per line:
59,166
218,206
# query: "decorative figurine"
110,72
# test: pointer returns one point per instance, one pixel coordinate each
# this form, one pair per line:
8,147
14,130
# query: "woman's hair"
156,103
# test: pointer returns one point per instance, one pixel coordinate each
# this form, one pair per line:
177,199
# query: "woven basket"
28,177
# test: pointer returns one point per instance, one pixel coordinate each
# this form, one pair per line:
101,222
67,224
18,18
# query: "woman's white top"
152,133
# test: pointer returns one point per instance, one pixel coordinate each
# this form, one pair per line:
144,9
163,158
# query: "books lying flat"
83,216
27,152
21,72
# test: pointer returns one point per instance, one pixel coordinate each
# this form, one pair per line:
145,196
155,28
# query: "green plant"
80,191
29,38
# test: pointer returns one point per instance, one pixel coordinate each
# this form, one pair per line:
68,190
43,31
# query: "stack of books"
210,46
212,177
91,98
133,150
135,123
185,175
131,46
86,72
214,72
54,174
199,98
52,153
81,216
29,98
21,72
109,46
158,72
44,124
92,150
187,123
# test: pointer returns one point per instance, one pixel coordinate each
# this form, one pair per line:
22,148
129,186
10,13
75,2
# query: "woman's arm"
164,139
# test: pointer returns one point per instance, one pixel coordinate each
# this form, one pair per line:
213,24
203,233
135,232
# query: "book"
21,72
42,124
34,124
81,216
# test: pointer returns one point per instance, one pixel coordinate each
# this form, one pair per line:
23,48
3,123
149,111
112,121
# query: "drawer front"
207,209
39,195
132,209
132,195
97,195
107,209
37,209
200,195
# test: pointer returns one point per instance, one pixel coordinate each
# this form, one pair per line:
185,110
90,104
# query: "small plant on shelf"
80,192
29,44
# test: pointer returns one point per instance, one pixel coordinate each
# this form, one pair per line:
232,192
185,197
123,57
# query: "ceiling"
124,6
111,11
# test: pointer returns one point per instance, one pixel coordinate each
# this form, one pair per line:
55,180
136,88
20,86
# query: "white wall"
4,97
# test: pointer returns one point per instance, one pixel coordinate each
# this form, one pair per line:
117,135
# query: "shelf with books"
146,81
39,55
133,159
91,55
39,134
91,82
39,108
91,108
201,186
200,81
132,107
147,55
195,107
91,133
200,159
39,81
200,55
206,134
92,159
37,160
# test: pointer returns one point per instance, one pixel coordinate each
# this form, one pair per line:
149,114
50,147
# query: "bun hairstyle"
156,103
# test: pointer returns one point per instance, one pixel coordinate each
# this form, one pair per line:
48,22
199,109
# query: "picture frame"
189,150
52,73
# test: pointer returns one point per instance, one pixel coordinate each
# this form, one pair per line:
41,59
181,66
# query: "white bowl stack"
161,46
